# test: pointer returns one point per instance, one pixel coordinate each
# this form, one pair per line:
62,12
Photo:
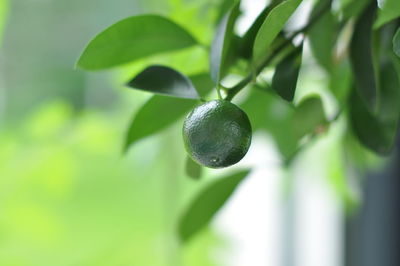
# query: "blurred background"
68,197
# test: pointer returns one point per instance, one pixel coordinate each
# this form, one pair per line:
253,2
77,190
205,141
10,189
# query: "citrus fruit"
217,134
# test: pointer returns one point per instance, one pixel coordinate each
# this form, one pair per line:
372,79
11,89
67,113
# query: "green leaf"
273,115
193,169
271,27
362,58
247,42
224,8
388,10
371,132
203,208
396,43
377,130
309,116
222,43
284,81
340,82
390,94
203,83
164,80
322,38
134,38
156,114
353,8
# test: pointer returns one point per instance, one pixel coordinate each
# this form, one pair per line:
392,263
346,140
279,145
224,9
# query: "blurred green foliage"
3,15
67,197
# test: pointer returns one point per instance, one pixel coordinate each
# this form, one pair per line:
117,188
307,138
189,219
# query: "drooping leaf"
164,80
247,42
309,115
389,70
193,169
396,43
388,10
286,74
203,83
203,208
156,114
389,107
134,38
222,42
322,37
271,27
371,132
362,58
377,130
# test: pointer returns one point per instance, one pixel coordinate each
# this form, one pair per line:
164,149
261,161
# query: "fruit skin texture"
217,134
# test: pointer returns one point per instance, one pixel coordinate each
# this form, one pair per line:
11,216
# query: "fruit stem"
231,93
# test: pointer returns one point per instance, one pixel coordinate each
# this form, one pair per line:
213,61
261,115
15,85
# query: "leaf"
222,42
203,83
396,43
340,82
388,10
322,38
134,38
389,110
156,114
371,132
164,80
271,27
309,116
203,208
284,81
273,115
247,42
224,8
193,169
362,61
353,8
377,130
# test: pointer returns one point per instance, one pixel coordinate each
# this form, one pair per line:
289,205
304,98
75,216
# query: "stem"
235,90
251,77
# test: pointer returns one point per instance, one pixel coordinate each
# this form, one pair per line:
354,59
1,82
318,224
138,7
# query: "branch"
231,93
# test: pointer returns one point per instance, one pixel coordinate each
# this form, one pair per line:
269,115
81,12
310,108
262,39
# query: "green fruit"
217,134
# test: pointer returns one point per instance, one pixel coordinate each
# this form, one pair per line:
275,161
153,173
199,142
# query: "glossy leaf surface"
271,27
156,114
203,208
222,43
388,10
362,58
322,38
164,80
134,38
286,74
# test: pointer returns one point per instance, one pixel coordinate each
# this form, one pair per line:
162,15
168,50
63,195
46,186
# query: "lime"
217,134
